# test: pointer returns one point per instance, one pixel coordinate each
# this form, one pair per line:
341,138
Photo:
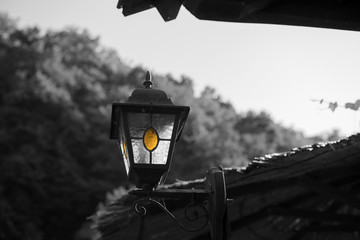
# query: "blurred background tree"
57,162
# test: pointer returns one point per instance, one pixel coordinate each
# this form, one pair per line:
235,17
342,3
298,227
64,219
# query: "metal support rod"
197,194
220,224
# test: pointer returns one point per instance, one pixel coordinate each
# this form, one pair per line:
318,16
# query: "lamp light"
146,128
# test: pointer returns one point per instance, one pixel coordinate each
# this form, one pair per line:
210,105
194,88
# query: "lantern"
146,128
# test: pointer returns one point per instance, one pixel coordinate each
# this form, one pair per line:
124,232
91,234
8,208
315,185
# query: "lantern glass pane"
124,155
138,123
164,124
141,155
160,154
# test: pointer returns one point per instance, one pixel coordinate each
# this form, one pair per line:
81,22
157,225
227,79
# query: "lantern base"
146,177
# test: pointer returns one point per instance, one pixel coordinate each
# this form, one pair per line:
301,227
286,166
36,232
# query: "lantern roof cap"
148,95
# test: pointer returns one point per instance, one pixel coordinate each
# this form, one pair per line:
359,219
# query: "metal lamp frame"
146,175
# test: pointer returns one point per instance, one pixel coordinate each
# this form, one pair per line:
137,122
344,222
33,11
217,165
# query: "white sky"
278,69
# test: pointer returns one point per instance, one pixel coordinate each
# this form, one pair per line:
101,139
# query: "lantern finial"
148,83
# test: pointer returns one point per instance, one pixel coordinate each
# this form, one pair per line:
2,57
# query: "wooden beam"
332,207
263,186
315,215
263,212
334,228
326,190
329,175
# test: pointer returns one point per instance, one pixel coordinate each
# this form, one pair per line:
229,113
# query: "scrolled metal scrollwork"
192,212
140,206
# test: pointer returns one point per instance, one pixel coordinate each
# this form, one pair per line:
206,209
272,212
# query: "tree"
209,138
56,162
260,135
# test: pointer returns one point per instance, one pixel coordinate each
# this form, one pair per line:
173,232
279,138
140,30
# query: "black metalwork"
146,101
208,204
192,216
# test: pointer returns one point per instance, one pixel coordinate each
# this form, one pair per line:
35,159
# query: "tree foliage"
56,160
54,122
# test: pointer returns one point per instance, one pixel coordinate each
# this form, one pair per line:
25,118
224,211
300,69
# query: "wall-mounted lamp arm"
193,212
208,204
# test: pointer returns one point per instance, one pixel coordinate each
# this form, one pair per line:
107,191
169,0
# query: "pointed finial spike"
148,76
148,83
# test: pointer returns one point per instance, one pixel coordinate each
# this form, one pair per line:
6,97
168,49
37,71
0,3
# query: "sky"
259,67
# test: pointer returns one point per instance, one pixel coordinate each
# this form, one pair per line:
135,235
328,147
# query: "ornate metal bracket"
209,204
140,208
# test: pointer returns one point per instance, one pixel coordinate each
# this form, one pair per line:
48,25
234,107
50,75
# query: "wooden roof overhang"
311,192
335,14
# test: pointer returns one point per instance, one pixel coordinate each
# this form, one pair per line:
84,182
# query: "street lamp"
146,128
